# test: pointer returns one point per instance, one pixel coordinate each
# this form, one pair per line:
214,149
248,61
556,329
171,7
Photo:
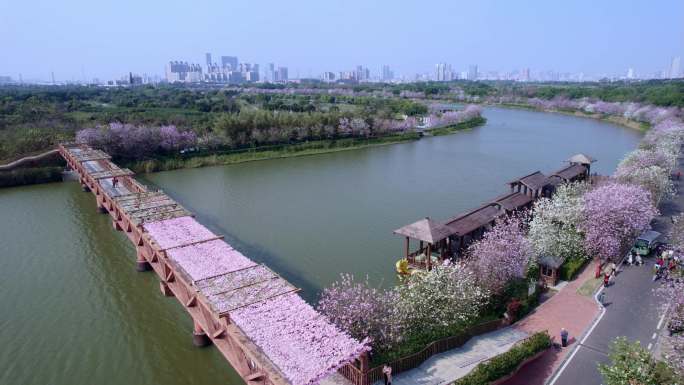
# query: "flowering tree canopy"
362,311
129,141
655,179
449,294
614,215
502,254
555,225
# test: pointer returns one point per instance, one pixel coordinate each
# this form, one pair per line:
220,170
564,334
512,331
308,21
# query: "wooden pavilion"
432,236
548,268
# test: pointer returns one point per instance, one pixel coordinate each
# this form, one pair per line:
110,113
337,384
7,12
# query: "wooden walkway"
256,319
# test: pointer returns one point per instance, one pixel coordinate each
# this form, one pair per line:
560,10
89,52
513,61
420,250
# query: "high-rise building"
328,77
386,74
208,59
675,71
525,75
270,72
281,74
443,72
630,73
361,73
183,72
472,72
230,61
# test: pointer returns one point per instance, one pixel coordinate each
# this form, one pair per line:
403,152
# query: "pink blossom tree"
614,215
362,311
502,254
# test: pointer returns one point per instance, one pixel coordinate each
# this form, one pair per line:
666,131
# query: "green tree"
631,364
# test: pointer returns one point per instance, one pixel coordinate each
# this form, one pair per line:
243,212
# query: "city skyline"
607,38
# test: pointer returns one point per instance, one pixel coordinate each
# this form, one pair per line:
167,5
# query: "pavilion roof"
551,261
425,230
571,171
581,159
472,220
535,180
513,201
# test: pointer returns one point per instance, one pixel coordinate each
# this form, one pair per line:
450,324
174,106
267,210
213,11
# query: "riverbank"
619,120
265,153
452,129
290,150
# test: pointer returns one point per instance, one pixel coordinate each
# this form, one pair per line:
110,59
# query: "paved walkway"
567,309
447,367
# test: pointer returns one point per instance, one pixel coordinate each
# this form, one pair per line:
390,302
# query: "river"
74,311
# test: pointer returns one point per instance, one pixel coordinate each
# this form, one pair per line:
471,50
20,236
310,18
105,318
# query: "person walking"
115,181
613,268
387,374
606,279
630,259
564,337
638,259
602,298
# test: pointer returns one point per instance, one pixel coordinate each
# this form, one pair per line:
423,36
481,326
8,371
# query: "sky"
85,39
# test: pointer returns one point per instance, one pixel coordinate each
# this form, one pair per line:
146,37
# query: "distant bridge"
256,319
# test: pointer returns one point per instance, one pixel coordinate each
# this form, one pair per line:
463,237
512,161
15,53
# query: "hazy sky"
105,39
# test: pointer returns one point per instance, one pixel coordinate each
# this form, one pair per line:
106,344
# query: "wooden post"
141,263
429,256
408,243
199,337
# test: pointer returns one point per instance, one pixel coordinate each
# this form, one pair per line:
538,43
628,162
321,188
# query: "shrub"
504,364
24,176
571,268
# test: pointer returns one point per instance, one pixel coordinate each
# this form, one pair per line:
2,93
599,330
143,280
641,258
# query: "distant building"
472,72
386,74
443,72
270,72
208,59
525,75
328,77
230,61
362,73
675,71
281,75
134,80
630,73
6,80
183,72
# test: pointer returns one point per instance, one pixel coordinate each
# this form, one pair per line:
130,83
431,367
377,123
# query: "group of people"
634,258
666,263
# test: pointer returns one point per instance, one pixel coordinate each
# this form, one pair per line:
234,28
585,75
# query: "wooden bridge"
256,319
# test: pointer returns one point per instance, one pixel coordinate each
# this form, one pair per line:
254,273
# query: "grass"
589,287
458,127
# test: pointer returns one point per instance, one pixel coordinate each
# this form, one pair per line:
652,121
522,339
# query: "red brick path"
568,310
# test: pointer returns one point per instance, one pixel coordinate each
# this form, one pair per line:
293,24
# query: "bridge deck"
251,314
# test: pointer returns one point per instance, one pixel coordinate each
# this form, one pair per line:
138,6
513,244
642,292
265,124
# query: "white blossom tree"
449,294
554,228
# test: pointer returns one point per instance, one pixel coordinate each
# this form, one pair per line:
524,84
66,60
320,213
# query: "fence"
358,377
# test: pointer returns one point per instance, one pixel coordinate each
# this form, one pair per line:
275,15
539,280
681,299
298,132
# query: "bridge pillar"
164,287
199,337
141,263
85,187
101,209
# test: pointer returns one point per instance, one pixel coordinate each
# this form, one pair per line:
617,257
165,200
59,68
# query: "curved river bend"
74,311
